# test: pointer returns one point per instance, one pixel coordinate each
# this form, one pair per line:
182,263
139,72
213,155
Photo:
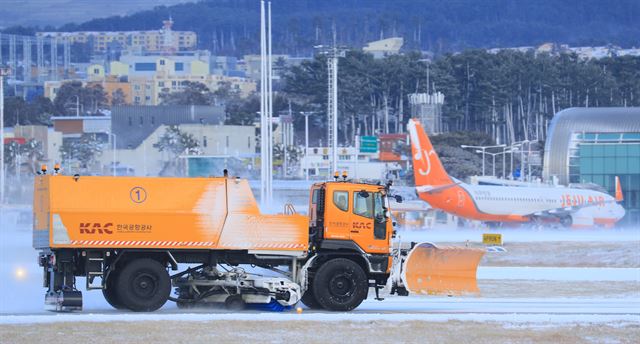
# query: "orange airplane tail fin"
619,196
427,167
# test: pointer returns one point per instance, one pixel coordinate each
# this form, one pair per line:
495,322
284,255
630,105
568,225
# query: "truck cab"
350,232
352,218
354,213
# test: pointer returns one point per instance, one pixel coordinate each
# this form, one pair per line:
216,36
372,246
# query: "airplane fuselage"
570,206
525,204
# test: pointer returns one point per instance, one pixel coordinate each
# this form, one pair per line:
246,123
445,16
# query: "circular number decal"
138,194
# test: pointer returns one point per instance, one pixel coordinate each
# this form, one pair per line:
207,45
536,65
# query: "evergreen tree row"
510,95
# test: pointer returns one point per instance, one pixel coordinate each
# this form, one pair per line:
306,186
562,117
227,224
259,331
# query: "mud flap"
447,270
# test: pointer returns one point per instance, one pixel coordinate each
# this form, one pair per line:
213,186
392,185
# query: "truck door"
316,213
313,206
369,222
336,212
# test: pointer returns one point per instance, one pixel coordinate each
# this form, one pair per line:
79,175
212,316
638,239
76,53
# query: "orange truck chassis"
135,238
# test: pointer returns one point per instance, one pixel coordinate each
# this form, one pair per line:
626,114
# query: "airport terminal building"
594,145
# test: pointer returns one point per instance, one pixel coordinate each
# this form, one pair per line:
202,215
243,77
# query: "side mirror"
398,198
363,194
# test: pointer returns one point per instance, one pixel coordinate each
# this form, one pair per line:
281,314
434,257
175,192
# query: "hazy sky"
57,12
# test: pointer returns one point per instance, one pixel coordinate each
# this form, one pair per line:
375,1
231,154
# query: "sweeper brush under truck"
132,238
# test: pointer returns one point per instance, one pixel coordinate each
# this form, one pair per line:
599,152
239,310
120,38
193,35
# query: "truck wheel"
340,285
110,293
309,299
143,285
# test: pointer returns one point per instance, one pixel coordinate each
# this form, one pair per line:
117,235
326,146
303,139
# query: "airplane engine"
580,219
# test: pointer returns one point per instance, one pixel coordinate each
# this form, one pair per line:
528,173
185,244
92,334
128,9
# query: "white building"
213,140
360,166
384,47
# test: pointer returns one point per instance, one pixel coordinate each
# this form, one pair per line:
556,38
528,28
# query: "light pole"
514,148
3,73
529,142
504,160
522,168
482,149
306,115
493,155
113,148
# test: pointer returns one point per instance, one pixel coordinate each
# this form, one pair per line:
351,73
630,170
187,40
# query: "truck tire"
110,293
309,299
340,285
143,285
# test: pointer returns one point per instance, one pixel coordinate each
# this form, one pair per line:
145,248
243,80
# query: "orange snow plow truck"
133,237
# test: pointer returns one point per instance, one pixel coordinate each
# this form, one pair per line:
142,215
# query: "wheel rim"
145,285
342,285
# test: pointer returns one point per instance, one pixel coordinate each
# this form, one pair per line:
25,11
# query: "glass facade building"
593,146
599,157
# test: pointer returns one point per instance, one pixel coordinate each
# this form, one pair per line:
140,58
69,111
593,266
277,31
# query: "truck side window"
341,200
314,197
378,205
363,206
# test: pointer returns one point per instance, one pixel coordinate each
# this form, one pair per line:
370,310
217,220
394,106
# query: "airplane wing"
434,189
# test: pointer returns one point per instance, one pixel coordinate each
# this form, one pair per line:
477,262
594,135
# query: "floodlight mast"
3,72
266,107
482,150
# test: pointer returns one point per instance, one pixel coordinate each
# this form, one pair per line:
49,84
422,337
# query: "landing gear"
143,285
494,225
536,223
566,221
340,285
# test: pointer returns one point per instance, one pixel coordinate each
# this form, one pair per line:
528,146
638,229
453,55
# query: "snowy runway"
556,310
554,286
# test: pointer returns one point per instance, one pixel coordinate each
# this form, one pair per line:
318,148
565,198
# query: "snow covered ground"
527,235
550,285
439,329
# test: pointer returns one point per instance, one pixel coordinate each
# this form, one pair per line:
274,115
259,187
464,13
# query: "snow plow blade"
448,270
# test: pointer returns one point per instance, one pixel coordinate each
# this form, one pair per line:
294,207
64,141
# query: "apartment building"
164,39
